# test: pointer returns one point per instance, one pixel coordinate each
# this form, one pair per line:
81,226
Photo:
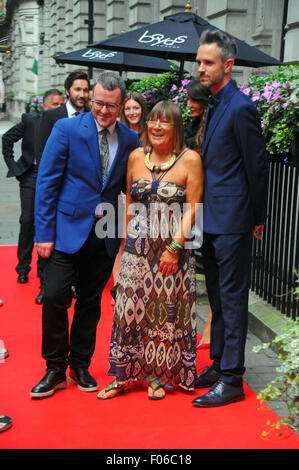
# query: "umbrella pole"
181,72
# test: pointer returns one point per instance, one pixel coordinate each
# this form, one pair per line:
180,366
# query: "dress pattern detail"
154,323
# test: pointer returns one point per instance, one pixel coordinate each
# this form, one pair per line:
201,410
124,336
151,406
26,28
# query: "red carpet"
72,419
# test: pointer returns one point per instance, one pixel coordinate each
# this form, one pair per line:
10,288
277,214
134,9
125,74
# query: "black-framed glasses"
110,106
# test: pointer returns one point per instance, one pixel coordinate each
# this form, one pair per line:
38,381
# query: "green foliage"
277,100
166,86
9,95
285,387
34,104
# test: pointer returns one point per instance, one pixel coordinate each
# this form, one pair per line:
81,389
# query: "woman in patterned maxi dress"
154,324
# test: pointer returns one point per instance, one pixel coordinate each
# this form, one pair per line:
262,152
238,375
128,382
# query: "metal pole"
90,23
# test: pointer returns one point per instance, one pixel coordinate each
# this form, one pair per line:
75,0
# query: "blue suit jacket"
235,167
69,184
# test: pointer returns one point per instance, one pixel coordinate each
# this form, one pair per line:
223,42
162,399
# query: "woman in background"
134,114
197,103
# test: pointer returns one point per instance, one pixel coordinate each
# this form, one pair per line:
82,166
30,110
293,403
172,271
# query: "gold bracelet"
173,249
177,244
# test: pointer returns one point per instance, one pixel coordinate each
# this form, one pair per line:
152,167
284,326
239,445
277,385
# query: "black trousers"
26,234
227,264
92,267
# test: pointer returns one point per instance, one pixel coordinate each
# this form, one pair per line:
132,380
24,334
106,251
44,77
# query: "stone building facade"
50,27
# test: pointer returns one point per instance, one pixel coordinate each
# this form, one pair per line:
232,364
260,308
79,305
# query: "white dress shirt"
112,138
71,111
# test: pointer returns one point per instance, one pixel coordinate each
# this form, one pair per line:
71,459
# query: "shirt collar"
111,128
71,110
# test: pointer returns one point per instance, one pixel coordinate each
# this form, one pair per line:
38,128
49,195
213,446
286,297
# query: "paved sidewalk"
260,367
9,195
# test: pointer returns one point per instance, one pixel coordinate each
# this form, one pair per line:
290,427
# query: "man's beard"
215,81
75,103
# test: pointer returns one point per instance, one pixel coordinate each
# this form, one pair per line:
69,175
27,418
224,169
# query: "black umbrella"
112,60
177,37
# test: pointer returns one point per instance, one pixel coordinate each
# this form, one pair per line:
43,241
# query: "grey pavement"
9,195
260,367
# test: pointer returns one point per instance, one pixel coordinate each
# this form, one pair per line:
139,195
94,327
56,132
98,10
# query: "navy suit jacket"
27,130
69,183
235,167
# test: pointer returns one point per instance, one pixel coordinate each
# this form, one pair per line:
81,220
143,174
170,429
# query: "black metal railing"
275,259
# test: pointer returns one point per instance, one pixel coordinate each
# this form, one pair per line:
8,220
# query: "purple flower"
246,91
267,94
185,82
255,96
173,88
276,95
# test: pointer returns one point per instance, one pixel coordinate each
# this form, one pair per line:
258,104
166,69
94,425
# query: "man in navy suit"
71,185
25,170
236,179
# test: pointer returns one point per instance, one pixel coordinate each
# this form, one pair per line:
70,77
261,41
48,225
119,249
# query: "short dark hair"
110,81
197,92
227,45
75,75
51,92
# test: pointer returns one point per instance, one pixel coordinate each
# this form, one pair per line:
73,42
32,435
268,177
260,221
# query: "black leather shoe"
82,378
221,394
4,353
5,423
22,278
40,298
53,380
207,378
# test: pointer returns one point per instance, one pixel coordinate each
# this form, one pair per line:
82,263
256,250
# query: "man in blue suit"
236,178
83,165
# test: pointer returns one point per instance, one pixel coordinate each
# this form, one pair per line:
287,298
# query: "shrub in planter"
34,104
277,100
166,86
285,387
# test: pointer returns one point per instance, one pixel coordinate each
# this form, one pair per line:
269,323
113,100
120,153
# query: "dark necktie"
76,113
213,102
104,153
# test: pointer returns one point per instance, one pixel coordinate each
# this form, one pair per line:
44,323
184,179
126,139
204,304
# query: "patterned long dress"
154,323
